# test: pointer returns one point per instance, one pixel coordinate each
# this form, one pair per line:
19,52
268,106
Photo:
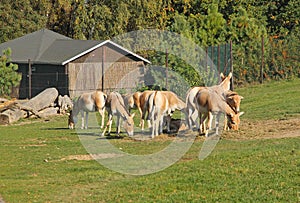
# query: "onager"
162,104
87,102
209,103
115,106
132,100
142,105
174,104
64,103
158,108
192,114
234,100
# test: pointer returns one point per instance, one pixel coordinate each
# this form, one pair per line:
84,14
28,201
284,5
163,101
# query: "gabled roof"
47,47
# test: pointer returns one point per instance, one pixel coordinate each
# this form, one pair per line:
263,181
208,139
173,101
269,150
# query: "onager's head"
71,120
234,101
233,120
128,125
73,117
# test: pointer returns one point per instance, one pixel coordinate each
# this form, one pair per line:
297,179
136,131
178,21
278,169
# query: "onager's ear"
231,97
105,97
222,76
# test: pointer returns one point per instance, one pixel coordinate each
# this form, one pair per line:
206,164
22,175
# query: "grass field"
43,161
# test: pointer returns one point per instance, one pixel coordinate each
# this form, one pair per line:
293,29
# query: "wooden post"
225,58
167,71
206,58
29,79
219,65
231,66
262,60
103,66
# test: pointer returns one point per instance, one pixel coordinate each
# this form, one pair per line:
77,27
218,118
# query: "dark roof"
48,47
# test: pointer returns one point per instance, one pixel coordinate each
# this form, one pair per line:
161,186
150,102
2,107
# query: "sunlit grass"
271,100
34,164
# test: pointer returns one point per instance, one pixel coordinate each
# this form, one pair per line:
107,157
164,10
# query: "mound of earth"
266,129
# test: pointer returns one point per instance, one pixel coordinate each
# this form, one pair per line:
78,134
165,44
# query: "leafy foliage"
205,22
8,76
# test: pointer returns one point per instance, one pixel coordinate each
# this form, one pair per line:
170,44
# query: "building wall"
85,74
43,76
87,77
120,73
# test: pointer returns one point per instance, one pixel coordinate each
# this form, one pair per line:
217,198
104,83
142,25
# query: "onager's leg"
168,120
209,121
102,114
108,124
193,118
118,124
153,127
86,119
218,116
161,122
82,119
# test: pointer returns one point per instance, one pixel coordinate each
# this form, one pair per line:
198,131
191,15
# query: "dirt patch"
87,157
267,129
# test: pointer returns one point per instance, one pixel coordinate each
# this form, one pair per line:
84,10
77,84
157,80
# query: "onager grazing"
234,101
209,103
88,102
115,106
192,114
158,108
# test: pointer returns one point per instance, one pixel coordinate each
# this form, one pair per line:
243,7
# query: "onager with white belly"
115,106
209,103
158,108
87,102
142,103
192,114
174,104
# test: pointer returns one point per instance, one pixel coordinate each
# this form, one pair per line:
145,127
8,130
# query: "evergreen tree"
8,73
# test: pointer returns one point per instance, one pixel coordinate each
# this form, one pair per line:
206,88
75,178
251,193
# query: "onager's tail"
152,105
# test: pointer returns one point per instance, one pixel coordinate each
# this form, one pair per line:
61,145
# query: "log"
11,115
41,101
7,104
51,111
3,100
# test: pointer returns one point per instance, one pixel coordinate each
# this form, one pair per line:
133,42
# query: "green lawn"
271,100
34,165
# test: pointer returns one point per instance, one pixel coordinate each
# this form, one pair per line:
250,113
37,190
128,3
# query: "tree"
8,73
18,18
246,33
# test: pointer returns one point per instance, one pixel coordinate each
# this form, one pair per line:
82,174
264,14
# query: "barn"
48,59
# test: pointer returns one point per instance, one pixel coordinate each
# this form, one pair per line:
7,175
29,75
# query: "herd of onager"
157,107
